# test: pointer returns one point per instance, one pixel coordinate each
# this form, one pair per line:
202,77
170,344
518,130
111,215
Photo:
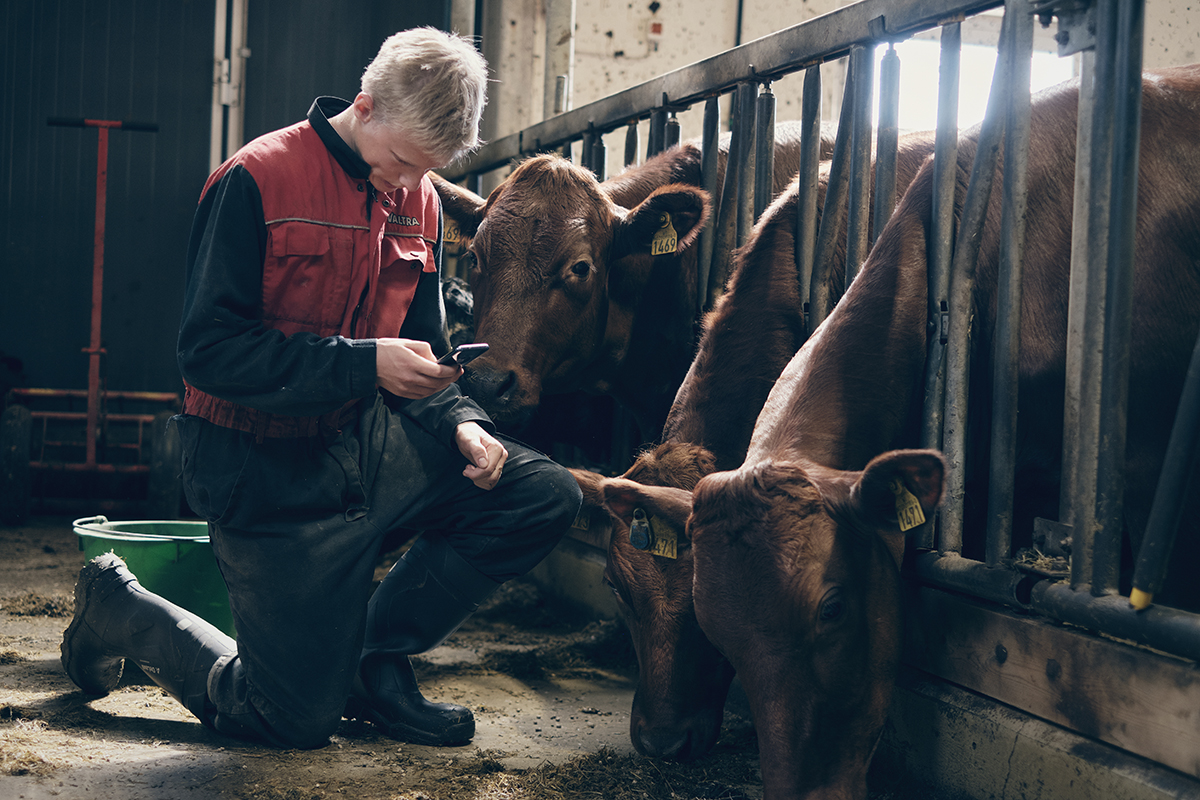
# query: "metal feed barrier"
1078,610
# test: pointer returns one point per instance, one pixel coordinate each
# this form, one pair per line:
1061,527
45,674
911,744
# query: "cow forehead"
517,235
550,185
788,525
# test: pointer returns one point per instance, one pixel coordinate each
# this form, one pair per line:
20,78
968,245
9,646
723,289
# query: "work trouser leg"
474,540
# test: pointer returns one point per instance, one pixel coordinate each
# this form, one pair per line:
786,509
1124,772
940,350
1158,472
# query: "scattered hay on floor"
32,604
16,755
603,775
11,657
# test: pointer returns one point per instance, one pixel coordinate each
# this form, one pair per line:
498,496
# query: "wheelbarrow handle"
82,122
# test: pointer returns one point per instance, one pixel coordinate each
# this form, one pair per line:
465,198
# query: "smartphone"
463,353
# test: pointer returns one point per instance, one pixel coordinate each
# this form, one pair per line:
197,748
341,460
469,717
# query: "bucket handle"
90,523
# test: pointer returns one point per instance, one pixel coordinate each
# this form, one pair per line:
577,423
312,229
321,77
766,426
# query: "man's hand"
485,455
407,368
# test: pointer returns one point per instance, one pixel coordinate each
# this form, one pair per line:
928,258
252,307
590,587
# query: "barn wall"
151,61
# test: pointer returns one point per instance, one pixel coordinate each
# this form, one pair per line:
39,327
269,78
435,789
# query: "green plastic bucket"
172,558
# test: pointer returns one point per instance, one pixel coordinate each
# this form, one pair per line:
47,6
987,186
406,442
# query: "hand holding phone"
463,353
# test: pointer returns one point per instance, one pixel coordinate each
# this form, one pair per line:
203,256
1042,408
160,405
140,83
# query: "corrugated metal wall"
143,60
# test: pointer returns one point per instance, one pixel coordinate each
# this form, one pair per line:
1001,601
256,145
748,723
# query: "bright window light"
919,79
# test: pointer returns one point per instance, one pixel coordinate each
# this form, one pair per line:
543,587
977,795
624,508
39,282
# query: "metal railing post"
858,231
1007,338
887,140
808,177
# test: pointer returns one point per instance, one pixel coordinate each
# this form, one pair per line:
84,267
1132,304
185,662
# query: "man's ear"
900,489
671,505
665,223
461,208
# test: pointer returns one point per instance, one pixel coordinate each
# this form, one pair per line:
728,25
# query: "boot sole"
454,735
77,655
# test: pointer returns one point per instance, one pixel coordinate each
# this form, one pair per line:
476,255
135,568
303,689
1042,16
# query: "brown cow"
791,580
748,339
567,292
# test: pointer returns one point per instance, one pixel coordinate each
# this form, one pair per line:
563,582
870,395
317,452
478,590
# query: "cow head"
797,583
558,268
682,679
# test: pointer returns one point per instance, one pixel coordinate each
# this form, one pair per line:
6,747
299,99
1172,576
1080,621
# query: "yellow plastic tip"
1139,599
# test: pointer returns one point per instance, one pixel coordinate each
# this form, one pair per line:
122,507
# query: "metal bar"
747,95
587,150
1084,522
1078,295
599,163
1006,341
1167,629
858,232
951,571
831,213
808,177
962,300
822,38
631,143
94,350
725,233
111,394
1179,465
77,416
764,148
887,139
671,133
1114,401
61,466
655,142
709,155
945,168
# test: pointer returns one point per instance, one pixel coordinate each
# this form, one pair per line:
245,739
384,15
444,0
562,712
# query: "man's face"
394,160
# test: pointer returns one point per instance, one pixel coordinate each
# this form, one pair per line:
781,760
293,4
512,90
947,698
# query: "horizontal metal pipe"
1167,629
790,50
951,571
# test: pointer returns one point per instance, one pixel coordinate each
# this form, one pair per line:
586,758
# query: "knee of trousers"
557,498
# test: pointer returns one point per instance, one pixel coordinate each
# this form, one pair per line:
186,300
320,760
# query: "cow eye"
581,269
832,607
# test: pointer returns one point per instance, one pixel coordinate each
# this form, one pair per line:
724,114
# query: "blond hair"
432,86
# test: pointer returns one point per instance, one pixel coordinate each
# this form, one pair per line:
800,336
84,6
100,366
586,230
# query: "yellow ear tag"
665,540
908,509
665,240
450,232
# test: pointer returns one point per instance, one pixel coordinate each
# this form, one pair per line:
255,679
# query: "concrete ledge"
573,574
963,745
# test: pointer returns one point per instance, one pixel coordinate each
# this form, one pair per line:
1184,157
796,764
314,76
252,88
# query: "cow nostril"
506,386
664,744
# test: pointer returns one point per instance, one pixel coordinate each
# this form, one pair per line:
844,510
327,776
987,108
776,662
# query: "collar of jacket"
318,116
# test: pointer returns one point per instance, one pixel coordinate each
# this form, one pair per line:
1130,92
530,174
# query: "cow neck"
847,394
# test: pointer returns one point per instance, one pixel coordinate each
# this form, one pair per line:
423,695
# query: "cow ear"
591,484
461,207
899,490
665,223
622,496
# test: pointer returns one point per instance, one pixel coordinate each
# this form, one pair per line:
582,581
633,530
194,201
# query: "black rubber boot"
424,598
117,619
